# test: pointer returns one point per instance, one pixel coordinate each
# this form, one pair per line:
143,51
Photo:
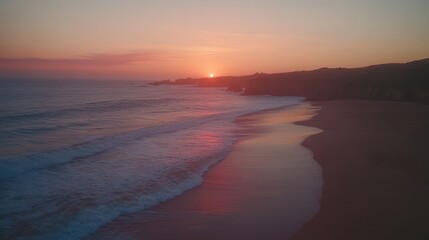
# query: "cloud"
87,60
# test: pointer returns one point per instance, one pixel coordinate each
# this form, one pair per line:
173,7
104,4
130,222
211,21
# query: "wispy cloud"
88,60
161,53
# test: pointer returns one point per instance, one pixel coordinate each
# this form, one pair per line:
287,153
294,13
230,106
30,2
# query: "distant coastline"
406,82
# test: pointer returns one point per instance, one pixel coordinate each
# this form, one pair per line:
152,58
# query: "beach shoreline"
267,187
374,159
369,191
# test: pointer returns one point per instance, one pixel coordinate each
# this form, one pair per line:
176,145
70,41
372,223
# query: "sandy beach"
374,159
375,165
266,188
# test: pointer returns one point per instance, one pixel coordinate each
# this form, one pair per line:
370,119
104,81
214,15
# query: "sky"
169,39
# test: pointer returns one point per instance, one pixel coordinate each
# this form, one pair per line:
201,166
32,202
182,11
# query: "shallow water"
266,188
76,154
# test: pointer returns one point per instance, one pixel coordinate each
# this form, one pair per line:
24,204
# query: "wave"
88,220
77,198
68,193
101,106
11,166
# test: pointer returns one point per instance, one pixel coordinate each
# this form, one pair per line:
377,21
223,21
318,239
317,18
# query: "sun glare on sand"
211,75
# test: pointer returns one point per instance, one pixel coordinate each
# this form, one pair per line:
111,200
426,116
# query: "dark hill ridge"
398,82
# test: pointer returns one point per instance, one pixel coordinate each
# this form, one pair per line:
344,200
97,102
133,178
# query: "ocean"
76,154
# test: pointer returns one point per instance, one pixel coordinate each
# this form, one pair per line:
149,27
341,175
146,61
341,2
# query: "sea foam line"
90,219
11,166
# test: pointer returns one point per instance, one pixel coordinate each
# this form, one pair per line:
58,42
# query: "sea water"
76,154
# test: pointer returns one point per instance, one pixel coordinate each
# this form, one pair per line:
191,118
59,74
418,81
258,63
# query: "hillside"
398,82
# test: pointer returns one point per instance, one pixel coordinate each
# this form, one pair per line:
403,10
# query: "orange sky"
133,39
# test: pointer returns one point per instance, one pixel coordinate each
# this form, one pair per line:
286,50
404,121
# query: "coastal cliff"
408,82
397,82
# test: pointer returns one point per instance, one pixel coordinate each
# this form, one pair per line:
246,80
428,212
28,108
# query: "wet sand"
375,160
266,188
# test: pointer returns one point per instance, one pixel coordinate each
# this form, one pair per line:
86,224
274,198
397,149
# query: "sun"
211,75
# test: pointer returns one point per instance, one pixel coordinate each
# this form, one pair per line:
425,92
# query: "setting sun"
211,75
